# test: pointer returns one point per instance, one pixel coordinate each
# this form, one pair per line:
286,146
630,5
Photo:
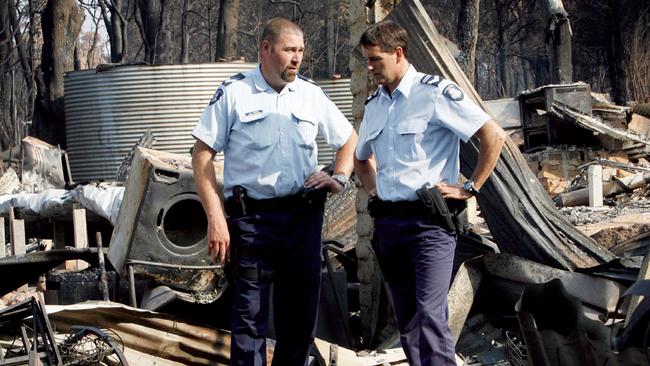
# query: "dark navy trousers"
416,259
285,244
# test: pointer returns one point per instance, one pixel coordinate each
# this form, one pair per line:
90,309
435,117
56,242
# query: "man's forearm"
366,172
491,137
206,181
343,162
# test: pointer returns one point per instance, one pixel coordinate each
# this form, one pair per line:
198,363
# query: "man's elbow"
493,134
500,137
201,153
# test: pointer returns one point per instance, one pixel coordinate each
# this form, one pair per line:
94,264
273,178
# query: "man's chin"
289,76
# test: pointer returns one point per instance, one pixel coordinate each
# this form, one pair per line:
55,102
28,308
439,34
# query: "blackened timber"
521,216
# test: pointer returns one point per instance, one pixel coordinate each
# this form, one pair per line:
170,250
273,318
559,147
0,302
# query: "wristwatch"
342,179
469,187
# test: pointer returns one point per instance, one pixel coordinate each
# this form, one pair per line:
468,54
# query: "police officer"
411,129
266,121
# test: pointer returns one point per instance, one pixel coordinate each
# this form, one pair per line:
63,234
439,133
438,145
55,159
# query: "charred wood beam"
521,216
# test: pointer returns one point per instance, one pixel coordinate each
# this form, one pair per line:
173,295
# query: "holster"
437,207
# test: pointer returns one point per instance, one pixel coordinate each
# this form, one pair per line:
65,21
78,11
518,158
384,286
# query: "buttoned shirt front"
414,134
269,138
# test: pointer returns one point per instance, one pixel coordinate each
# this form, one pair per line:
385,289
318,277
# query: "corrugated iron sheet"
108,111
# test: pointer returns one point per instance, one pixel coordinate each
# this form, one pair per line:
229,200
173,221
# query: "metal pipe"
167,265
580,197
134,301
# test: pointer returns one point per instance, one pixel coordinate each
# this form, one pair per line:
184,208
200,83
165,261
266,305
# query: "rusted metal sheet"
155,334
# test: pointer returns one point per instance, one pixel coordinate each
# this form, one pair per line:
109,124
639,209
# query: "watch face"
342,181
469,187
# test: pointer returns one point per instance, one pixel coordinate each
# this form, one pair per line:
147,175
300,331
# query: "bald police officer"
411,129
266,121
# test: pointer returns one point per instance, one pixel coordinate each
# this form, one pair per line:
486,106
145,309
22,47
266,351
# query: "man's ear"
266,47
399,52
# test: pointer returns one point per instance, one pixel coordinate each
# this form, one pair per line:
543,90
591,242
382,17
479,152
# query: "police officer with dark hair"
411,129
266,121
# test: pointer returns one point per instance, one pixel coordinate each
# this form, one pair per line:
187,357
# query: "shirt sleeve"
363,151
334,127
457,112
212,127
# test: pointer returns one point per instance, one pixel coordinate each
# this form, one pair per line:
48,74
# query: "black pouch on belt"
435,203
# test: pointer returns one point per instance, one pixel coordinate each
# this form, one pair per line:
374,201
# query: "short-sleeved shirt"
415,133
268,138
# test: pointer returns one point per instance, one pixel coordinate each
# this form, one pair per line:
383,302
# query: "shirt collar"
404,86
261,84
406,83
258,79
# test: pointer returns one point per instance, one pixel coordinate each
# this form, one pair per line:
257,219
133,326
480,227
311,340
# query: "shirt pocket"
306,128
409,140
257,131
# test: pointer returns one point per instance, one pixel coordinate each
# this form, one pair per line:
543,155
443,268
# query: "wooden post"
17,233
472,216
103,284
3,252
80,231
595,178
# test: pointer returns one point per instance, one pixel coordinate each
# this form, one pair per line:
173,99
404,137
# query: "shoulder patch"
453,92
232,79
431,80
372,96
217,95
307,79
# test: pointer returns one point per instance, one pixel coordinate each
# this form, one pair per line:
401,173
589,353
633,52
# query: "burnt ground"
611,226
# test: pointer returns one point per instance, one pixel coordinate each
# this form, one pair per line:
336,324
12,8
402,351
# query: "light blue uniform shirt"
415,134
269,138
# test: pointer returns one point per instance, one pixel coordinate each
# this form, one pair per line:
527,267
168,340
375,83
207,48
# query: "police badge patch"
453,92
216,96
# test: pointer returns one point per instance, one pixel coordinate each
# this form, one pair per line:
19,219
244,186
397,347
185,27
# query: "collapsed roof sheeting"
594,124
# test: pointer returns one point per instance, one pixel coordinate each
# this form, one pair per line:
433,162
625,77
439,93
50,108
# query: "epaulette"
308,80
315,83
431,80
232,79
373,96
219,93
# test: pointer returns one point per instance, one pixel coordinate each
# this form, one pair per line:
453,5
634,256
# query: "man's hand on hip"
319,180
454,191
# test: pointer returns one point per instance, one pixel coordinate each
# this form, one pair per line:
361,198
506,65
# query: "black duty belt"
378,208
299,201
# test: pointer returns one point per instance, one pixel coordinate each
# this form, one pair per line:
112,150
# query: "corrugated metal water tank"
108,111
